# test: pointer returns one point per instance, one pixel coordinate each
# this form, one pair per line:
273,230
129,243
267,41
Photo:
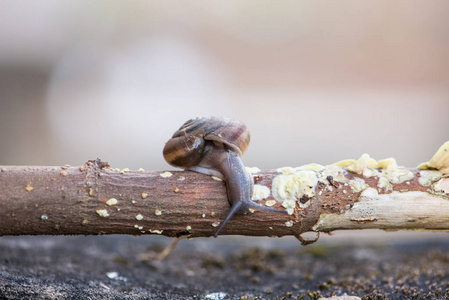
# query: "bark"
93,199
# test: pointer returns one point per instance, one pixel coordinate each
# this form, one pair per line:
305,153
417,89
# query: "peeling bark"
93,199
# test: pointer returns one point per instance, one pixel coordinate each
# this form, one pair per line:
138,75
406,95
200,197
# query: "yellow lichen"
344,163
166,174
111,202
291,187
440,161
124,170
365,161
103,213
270,202
388,163
386,169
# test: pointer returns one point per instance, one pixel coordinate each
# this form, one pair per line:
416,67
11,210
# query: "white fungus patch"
337,173
369,172
103,213
357,185
157,212
292,185
166,174
400,175
260,192
215,224
289,223
44,217
428,176
188,227
384,183
442,186
139,217
111,202
156,231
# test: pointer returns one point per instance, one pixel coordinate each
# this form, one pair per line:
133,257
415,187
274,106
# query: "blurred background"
314,81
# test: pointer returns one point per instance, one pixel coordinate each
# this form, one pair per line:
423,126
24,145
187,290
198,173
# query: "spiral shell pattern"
185,148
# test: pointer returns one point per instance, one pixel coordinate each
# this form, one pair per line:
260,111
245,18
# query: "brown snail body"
213,146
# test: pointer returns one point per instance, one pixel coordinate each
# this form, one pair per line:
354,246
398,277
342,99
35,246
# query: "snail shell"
214,146
186,147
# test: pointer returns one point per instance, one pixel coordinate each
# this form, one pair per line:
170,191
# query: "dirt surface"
123,267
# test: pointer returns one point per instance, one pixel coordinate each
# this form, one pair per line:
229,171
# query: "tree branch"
93,199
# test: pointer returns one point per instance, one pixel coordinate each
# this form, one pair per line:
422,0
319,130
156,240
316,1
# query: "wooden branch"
93,199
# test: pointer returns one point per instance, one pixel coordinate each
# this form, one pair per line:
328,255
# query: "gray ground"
122,267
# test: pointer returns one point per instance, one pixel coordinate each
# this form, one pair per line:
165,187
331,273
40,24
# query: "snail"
214,146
